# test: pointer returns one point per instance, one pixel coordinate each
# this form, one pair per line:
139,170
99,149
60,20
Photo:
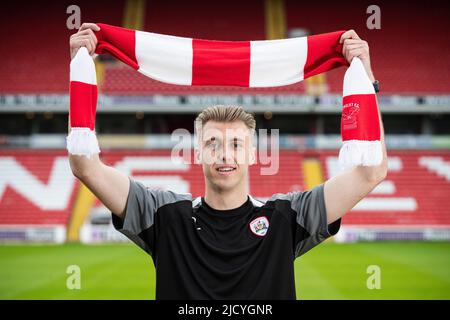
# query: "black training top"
243,253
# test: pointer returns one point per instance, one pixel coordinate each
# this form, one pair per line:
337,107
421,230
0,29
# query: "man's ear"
197,156
252,156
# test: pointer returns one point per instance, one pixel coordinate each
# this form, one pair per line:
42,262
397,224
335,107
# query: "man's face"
225,153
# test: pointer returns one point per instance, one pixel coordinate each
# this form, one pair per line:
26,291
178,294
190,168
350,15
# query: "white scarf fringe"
360,153
82,142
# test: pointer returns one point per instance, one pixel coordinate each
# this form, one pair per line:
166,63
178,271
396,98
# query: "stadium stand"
425,69
38,189
402,64
40,29
414,192
35,188
415,72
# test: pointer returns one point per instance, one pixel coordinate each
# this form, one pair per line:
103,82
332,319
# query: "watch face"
376,85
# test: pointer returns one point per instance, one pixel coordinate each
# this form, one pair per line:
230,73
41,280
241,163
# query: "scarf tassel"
82,142
360,153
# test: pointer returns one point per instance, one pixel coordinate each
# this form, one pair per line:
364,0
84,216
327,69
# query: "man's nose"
226,154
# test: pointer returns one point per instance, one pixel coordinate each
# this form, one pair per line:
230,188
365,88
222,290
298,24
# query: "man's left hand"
354,46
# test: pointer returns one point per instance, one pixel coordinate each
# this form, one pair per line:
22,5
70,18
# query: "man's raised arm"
345,190
109,185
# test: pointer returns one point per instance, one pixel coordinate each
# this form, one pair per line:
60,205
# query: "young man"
226,245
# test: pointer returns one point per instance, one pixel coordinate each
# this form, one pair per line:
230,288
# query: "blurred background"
49,220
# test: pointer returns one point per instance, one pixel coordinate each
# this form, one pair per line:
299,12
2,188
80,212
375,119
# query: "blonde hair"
221,113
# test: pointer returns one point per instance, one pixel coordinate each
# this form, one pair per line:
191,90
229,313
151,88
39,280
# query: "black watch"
376,86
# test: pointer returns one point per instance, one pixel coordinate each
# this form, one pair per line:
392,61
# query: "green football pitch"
408,270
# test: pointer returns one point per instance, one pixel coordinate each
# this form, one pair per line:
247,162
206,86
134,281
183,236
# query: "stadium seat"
419,64
37,187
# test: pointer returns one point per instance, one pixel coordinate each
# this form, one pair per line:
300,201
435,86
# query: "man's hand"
85,37
354,46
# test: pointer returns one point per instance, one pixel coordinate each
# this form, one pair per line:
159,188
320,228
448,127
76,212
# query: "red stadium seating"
196,21
418,63
414,192
37,187
120,79
36,57
407,58
409,53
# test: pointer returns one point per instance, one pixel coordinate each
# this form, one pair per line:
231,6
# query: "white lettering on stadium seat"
386,204
387,187
53,195
174,183
436,165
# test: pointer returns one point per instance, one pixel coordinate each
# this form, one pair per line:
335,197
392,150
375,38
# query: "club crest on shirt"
259,226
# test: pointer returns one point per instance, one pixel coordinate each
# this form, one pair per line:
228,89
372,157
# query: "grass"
409,270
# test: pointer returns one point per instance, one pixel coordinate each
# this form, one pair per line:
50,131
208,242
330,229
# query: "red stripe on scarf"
221,63
360,119
119,42
83,105
324,53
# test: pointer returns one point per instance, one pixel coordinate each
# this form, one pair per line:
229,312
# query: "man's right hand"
85,37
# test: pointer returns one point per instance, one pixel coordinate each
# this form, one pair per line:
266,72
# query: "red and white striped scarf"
266,63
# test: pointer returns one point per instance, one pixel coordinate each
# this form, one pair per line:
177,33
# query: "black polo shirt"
243,253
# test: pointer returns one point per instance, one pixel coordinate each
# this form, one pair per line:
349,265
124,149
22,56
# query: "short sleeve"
142,205
311,218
